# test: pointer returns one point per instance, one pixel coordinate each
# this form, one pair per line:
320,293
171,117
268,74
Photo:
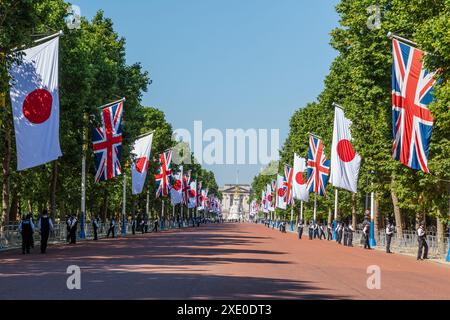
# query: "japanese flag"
270,198
281,193
142,150
176,192
345,162
35,105
299,181
193,195
265,206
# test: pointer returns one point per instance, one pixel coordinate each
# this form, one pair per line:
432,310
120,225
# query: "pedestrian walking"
389,234
155,228
345,233
311,230
45,226
366,235
351,231
340,231
329,232
133,226
96,226
73,229
300,229
423,245
26,229
112,228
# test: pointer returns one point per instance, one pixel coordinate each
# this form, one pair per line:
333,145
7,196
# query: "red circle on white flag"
191,194
299,178
177,185
345,151
37,106
281,193
142,164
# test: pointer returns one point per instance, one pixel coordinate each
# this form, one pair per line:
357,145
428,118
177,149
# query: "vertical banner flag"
192,195
269,194
176,190
199,195
186,183
35,105
142,151
107,143
162,179
318,167
299,182
288,174
345,162
281,193
264,205
412,122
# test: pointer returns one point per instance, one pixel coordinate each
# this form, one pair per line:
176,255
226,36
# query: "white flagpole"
173,214
147,205
162,214
336,203
181,213
124,208
315,208
83,186
301,210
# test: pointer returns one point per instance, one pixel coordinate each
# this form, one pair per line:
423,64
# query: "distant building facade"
236,201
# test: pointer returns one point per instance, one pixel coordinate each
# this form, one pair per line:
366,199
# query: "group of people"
27,229
344,234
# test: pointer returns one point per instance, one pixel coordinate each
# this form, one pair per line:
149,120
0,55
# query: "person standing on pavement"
45,226
366,234
26,229
73,229
300,229
423,245
389,235
155,228
350,235
311,230
112,228
340,232
329,232
345,232
95,226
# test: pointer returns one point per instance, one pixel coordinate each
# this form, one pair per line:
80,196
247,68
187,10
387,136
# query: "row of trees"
360,81
93,71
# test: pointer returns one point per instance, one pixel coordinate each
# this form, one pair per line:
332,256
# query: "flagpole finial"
390,35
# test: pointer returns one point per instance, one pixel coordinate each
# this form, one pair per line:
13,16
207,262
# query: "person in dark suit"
45,226
26,229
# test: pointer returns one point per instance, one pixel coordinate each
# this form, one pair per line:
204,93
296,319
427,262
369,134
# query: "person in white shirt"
423,245
389,235
351,230
300,229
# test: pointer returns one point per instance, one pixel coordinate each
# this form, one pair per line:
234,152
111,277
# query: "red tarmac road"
228,261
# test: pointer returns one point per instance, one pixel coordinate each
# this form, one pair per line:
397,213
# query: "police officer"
423,245
73,229
389,235
350,235
300,229
45,226
96,226
68,219
311,230
112,228
329,232
340,232
26,229
345,232
155,228
133,226
366,234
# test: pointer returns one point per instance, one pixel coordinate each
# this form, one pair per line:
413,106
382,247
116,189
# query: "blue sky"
229,63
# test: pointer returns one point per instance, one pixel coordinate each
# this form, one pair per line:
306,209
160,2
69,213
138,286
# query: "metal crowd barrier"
10,236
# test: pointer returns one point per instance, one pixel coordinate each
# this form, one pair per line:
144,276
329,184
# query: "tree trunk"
6,175
377,215
441,225
53,189
105,205
397,214
354,217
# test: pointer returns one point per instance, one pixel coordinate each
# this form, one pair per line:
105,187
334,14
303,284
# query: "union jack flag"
318,167
288,175
107,143
162,179
186,187
412,88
